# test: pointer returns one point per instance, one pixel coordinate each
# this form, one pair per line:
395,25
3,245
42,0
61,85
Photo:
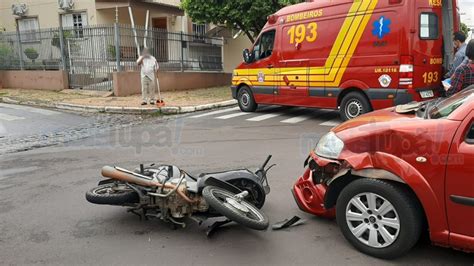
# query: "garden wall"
42,80
128,83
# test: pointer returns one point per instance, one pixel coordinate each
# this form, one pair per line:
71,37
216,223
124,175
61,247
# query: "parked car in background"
354,55
389,175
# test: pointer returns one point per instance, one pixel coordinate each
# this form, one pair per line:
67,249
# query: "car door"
460,182
297,45
262,72
293,86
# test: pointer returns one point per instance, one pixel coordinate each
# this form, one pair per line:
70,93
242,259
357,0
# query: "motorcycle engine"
175,205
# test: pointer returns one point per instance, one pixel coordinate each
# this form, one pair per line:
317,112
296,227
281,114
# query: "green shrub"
31,53
55,40
111,52
5,51
6,55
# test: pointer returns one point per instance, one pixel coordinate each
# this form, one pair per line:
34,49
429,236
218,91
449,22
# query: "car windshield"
445,107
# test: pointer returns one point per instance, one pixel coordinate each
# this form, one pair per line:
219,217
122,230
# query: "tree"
465,29
247,15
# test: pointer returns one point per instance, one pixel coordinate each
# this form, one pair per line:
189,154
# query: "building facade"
32,15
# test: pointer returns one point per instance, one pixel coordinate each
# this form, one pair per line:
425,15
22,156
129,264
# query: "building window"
199,31
29,29
77,21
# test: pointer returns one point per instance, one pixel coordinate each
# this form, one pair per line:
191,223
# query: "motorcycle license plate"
426,94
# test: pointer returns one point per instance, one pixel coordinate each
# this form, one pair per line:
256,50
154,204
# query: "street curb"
190,109
166,110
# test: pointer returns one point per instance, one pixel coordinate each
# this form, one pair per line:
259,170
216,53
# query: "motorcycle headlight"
329,146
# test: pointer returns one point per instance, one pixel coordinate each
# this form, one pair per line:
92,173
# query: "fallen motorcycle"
172,195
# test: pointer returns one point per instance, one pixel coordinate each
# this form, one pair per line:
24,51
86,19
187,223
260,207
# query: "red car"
389,175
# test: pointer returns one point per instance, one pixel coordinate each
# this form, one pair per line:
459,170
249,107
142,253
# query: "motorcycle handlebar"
266,162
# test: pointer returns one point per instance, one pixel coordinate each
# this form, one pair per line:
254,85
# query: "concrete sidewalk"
177,102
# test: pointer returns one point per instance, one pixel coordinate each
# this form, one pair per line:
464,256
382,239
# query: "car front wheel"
379,218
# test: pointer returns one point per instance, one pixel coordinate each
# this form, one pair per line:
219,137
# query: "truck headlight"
329,146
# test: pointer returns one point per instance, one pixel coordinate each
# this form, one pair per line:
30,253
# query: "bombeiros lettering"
304,15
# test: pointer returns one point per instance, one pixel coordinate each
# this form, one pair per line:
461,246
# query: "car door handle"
270,66
421,159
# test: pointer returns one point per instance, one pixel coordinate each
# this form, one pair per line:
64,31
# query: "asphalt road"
45,219
23,128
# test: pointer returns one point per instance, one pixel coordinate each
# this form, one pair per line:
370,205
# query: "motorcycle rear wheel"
107,195
247,214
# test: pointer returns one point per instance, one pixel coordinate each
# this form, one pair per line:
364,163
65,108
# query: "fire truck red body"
356,55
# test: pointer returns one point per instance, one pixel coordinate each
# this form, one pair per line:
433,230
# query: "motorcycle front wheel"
237,210
111,194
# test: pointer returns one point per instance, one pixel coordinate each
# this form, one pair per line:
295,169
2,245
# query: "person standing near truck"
460,56
464,75
149,66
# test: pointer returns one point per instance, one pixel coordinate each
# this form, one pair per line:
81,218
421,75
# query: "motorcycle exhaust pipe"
111,172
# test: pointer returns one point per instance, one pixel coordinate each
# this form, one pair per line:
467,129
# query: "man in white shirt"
149,66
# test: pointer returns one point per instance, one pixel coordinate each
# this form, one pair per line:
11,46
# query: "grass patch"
197,96
178,98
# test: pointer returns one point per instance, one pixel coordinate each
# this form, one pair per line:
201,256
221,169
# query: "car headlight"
329,146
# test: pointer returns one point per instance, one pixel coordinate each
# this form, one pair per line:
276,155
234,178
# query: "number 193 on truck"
355,56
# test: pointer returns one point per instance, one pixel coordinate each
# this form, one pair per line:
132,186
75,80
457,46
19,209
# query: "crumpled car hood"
402,135
373,121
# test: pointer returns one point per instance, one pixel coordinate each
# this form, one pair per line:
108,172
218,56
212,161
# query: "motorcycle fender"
235,175
211,181
106,181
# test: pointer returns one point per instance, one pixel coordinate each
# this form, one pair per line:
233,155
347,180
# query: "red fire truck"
355,55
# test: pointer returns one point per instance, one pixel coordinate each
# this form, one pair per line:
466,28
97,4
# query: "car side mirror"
248,56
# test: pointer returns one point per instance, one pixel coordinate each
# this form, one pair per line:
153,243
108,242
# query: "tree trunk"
250,36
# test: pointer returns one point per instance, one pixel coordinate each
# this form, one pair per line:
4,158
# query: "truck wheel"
353,105
246,100
379,218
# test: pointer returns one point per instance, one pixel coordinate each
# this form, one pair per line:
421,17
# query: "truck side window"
429,26
264,46
470,134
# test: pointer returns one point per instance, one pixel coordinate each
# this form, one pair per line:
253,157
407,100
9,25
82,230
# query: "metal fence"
38,50
91,54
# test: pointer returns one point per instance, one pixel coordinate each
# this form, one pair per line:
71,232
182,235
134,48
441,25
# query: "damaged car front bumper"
310,189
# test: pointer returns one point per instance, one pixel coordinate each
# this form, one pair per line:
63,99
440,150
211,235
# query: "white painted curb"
167,110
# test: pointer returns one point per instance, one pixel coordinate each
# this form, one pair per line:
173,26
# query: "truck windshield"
447,106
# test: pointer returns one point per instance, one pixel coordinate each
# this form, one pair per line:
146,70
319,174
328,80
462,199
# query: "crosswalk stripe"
29,109
216,112
10,117
268,108
296,119
232,115
263,117
331,123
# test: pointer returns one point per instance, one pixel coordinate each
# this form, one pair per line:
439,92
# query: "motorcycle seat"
192,187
